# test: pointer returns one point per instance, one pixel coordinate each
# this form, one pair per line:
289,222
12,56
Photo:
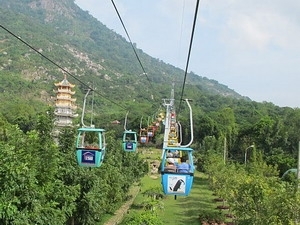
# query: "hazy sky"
253,47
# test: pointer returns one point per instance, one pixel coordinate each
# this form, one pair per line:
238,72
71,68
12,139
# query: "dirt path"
122,211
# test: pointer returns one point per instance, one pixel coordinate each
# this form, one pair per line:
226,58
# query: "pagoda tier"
65,112
64,97
65,115
63,90
63,122
65,106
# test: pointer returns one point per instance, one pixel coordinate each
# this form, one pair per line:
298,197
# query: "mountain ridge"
90,51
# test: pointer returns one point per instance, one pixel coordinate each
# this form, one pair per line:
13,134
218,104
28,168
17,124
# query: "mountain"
90,53
41,41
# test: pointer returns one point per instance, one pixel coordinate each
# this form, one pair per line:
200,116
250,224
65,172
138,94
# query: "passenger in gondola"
170,167
183,167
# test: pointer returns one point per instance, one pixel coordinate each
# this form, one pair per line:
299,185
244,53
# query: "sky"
253,47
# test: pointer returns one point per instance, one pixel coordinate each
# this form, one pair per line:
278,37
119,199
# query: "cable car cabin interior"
90,147
177,171
129,141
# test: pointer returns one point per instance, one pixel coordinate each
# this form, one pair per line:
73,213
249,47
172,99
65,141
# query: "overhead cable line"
138,58
189,53
54,63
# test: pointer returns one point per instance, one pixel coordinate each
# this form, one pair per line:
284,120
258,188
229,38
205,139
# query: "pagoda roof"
65,82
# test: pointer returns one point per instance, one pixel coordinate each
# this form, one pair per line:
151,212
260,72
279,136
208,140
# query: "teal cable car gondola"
129,141
90,147
90,143
129,138
179,180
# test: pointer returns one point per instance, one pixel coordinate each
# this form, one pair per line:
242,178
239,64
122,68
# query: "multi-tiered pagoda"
64,105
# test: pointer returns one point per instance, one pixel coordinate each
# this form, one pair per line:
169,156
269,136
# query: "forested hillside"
89,50
39,177
97,56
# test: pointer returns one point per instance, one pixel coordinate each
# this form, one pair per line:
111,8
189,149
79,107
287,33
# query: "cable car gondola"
177,166
150,131
143,136
90,143
179,181
129,143
90,146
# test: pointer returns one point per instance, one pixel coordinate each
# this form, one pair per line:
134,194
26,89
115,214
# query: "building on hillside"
64,103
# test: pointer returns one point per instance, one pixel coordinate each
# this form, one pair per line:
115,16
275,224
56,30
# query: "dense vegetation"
253,192
41,182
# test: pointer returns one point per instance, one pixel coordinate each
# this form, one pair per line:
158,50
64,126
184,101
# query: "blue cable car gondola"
177,182
129,141
90,147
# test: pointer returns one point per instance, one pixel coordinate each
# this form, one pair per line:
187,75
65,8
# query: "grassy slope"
183,210
186,210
